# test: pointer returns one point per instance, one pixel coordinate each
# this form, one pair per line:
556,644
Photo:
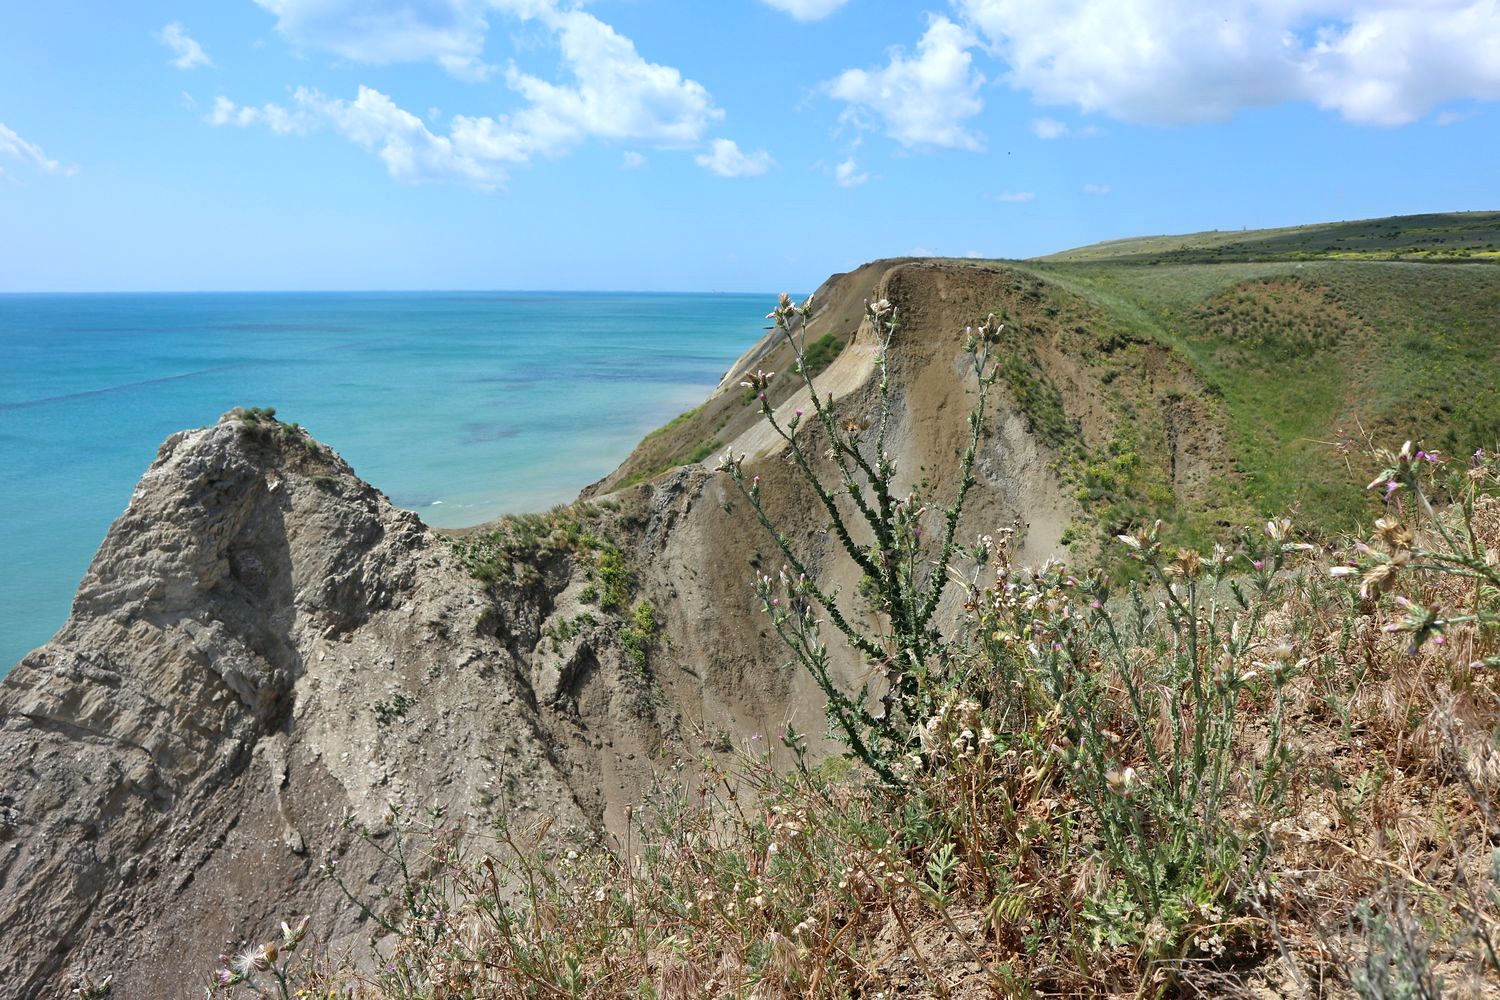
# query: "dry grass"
1255,779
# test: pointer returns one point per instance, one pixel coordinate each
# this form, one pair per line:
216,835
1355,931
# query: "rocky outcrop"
262,647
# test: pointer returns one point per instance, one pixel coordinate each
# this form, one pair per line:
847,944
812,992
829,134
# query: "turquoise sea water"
460,406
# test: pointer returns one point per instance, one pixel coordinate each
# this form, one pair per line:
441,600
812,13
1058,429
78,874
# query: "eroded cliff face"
264,647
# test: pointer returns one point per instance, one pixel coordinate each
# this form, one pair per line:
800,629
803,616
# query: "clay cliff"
266,655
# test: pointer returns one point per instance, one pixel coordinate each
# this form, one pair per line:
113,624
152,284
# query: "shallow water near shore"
460,406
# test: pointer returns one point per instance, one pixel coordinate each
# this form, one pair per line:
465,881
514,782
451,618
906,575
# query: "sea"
459,406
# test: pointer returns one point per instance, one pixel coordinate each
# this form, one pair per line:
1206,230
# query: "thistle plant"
904,574
1413,542
261,970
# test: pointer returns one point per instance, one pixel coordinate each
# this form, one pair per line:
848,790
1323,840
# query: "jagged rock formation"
264,646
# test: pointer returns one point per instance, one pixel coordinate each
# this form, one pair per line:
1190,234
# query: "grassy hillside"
1449,236
1300,360
1210,378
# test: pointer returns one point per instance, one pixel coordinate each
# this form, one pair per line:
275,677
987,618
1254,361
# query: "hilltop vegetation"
1451,236
1299,362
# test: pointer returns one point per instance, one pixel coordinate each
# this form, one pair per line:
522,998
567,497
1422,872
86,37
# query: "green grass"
1299,354
1456,236
822,352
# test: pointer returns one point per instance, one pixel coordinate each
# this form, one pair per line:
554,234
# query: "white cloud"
806,10
1016,197
848,174
1382,62
1446,118
923,100
278,119
632,160
12,146
189,53
410,151
725,158
1048,128
450,33
617,94
1097,189
614,94
1051,128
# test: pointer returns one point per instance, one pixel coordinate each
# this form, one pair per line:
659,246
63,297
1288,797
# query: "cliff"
264,647
266,656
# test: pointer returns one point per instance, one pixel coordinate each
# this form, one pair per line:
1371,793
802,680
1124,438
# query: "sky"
706,145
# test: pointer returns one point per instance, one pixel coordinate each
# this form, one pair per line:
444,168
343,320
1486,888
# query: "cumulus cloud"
923,100
806,10
632,160
1097,189
725,158
615,94
1383,62
13,147
450,33
847,174
279,119
188,53
411,152
611,93
1016,197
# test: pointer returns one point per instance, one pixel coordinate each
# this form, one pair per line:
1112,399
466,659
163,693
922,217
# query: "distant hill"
1450,236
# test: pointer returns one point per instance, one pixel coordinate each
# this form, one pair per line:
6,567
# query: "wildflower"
250,961
757,380
1394,534
291,936
1121,782
1377,580
1188,564
88,989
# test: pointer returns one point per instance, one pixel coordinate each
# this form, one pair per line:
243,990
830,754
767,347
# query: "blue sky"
703,145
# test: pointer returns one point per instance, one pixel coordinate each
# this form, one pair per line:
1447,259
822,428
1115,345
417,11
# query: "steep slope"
264,645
